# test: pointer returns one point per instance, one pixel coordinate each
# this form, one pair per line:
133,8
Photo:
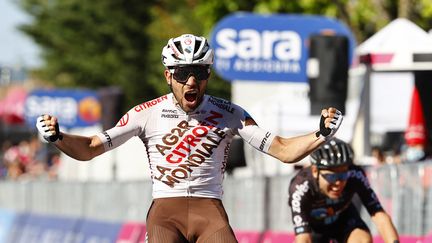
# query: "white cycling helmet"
187,49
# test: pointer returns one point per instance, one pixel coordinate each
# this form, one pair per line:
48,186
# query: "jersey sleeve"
250,132
365,191
131,124
299,191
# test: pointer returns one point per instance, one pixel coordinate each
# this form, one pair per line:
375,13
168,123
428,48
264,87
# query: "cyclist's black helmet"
333,153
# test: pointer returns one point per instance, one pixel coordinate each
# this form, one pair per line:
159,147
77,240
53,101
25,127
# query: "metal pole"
367,119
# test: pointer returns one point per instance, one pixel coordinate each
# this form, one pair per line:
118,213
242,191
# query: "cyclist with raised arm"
320,197
187,135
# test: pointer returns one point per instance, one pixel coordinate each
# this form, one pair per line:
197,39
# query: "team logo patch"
167,113
123,121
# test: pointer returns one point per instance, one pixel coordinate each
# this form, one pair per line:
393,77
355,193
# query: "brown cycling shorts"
188,219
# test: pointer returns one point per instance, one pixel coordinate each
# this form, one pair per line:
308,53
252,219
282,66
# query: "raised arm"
291,150
385,227
78,147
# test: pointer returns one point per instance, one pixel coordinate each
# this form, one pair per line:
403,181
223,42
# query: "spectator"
3,165
28,159
378,156
414,153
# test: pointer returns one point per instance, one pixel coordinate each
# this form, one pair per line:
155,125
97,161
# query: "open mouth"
336,190
191,96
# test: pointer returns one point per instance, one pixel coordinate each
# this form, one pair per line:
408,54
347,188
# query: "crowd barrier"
36,228
44,211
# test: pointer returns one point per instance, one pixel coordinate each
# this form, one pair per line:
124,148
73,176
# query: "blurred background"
89,62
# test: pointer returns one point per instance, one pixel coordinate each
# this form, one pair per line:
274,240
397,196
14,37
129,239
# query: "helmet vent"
197,45
201,56
179,47
332,154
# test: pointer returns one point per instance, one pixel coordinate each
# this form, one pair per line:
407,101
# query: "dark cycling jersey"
312,209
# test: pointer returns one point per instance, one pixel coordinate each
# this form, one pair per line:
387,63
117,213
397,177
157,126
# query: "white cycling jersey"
187,152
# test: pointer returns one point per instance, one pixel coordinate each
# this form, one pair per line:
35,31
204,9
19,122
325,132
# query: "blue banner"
269,47
30,227
42,228
16,229
73,108
98,231
7,219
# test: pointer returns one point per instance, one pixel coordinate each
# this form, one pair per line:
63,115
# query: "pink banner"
404,239
132,232
427,238
247,236
278,237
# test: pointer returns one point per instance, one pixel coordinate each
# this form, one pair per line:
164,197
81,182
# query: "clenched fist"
48,127
330,122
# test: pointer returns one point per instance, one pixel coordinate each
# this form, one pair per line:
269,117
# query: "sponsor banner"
41,228
269,47
132,232
243,236
98,231
427,238
278,237
12,106
17,227
74,108
404,239
7,219
143,237
25,227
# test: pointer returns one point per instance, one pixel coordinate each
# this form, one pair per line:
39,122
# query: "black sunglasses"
333,177
182,74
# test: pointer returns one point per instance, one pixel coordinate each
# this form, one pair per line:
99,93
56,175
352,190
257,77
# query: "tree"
93,44
102,43
96,44
170,20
